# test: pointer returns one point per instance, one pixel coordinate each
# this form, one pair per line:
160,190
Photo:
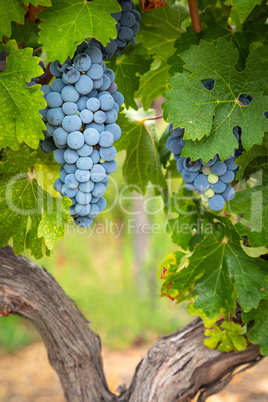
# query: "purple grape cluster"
128,25
212,179
82,108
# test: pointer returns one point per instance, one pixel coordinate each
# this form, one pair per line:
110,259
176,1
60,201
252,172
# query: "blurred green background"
112,277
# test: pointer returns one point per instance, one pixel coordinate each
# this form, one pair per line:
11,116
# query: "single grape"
95,156
106,102
84,85
69,94
228,177
228,193
114,129
58,185
83,198
180,166
82,175
82,62
54,99
70,193
118,98
94,211
106,83
71,75
55,116
85,150
219,168
212,178
60,137
70,156
75,140
99,190
72,123
101,203
93,104
48,145
69,108
128,19
59,156
70,181
108,154
106,139
69,168
84,163
230,163
95,72
91,136
94,54
216,203
82,210
201,183
87,186
86,116
111,116
189,177
99,117
97,173
192,166
218,187
209,193
83,221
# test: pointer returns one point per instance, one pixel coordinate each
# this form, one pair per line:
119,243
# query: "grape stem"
195,17
153,118
38,49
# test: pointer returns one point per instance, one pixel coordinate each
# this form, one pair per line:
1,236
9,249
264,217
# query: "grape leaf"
20,120
152,84
134,62
244,7
159,30
142,162
258,333
219,272
68,22
228,336
211,115
29,215
202,4
253,203
36,3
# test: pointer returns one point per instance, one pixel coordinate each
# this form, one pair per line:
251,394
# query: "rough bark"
177,368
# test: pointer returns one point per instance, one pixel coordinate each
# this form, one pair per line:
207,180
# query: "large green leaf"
29,215
258,333
20,120
128,68
211,115
218,273
142,162
68,22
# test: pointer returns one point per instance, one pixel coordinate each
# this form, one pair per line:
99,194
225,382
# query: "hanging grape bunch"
128,25
82,107
212,179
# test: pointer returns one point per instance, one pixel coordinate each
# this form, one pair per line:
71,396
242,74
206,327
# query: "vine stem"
195,17
153,118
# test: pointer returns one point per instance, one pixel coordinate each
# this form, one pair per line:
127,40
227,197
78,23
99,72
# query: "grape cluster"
212,179
128,25
82,108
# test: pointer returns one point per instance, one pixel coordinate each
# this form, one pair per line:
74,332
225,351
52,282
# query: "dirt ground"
27,377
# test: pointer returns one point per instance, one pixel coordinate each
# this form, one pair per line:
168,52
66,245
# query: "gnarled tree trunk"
177,368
